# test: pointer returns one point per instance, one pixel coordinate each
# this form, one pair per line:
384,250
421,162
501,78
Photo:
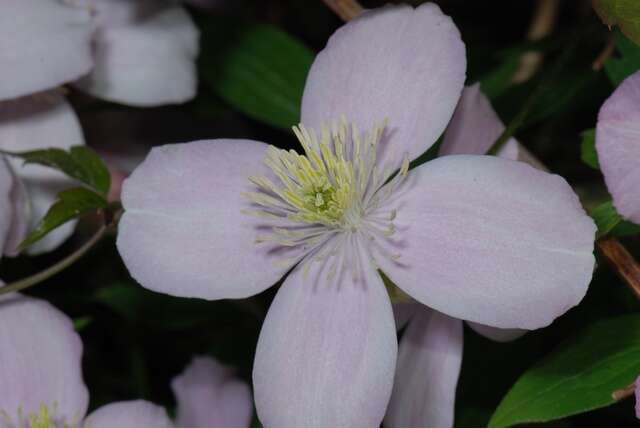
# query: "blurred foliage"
623,13
254,59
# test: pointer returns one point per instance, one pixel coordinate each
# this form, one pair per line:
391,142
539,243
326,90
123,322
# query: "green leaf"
80,162
626,64
71,203
623,13
577,377
588,154
609,222
260,70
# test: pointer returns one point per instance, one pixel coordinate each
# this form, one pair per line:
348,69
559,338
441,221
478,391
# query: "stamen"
335,187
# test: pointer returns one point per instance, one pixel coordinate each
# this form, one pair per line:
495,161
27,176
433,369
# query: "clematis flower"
42,382
618,146
477,238
638,398
145,52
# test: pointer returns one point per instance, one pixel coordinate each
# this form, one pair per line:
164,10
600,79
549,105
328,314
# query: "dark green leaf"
71,204
260,70
626,64
496,82
588,149
577,377
623,13
80,162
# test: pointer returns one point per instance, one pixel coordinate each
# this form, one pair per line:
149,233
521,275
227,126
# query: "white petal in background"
209,395
129,414
144,54
43,44
31,123
618,146
6,205
429,361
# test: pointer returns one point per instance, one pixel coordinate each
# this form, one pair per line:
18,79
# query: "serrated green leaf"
588,152
623,13
71,203
80,162
577,377
626,64
260,70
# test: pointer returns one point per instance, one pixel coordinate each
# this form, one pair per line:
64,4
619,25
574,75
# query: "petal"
43,363
19,216
148,60
497,334
32,123
209,395
327,351
6,205
618,146
475,127
395,63
492,241
183,232
43,44
130,414
429,361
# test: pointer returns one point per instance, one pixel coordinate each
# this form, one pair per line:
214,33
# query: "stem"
606,53
622,262
543,22
625,392
345,9
56,268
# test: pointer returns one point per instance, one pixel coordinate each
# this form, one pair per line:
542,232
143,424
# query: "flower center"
43,418
336,186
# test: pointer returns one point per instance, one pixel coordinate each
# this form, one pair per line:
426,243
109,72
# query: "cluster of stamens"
335,187
43,418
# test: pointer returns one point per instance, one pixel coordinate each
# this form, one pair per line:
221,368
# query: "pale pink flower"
41,380
478,238
618,146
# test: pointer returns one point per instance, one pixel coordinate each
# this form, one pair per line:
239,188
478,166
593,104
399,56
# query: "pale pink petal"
429,360
43,44
618,146
492,241
39,361
145,54
395,63
327,351
403,312
32,123
497,334
19,216
475,127
209,395
130,414
6,205
183,231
